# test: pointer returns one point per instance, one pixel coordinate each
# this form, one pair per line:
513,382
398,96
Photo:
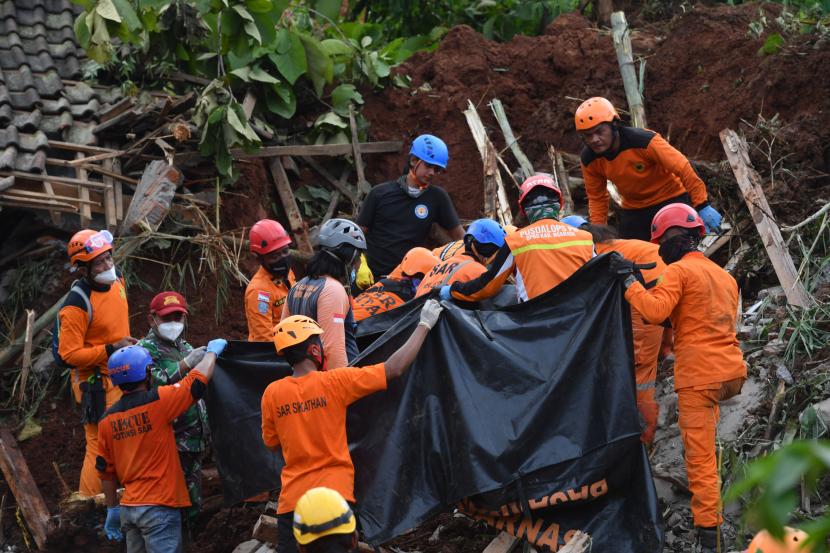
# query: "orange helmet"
764,542
418,260
294,330
85,245
675,215
594,111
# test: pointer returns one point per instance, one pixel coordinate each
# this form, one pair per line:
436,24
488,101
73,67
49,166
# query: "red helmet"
536,181
267,236
594,111
675,215
793,541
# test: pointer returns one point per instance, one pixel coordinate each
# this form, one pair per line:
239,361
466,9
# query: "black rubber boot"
707,540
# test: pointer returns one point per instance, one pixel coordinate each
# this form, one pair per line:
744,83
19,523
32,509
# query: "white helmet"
336,232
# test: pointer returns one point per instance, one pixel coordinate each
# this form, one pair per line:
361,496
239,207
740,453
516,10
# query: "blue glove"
217,346
711,218
445,294
112,527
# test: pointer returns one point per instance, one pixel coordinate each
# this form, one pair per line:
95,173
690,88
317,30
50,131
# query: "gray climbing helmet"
336,232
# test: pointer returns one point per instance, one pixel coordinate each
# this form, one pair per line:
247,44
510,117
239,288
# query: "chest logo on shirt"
639,166
421,211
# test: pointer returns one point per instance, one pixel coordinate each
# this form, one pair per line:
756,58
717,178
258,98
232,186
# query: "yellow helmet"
294,330
322,512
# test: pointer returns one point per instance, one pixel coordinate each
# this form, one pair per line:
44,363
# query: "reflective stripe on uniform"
557,246
646,386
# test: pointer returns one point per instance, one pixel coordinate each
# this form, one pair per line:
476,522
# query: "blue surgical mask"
415,283
352,276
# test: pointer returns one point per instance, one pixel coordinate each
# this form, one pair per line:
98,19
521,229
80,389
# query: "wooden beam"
489,154
363,187
265,529
83,194
119,192
737,152
289,203
511,141
562,180
26,366
44,196
93,169
97,157
54,178
625,57
25,490
80,147
55,215
109,200
321,150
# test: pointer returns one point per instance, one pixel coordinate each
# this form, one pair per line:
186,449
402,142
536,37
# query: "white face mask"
170,331
107,277
414,191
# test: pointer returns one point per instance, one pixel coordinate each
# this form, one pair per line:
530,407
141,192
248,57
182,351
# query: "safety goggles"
98,241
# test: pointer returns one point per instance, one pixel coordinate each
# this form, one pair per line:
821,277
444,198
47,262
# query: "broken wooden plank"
526,168
97,157
26,366
83,194
560,176
92,168
625,57
25,490
491,170
119,191
289,203
321,150
338,184
152,198
71,146
363,187
54,178
54,214
503,543
265,529
45,196
109,200
737,152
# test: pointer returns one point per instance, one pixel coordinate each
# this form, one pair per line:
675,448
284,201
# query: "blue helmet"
576,221
129,364
431,149
487,231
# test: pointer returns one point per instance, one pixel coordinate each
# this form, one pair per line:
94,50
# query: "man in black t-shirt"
397,215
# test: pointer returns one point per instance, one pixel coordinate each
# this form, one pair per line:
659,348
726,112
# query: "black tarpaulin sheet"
507,410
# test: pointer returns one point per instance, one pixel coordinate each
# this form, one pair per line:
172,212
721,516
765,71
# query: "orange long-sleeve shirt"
459,268
264,298
638,251
137,447
646,170
701,299
82,344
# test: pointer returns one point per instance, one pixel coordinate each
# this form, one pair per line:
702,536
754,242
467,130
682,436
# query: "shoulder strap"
451,273
83,292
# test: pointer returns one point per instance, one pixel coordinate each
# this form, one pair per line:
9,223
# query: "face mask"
413,192
415,283
675,248
352,277
107,277
170,331
280,268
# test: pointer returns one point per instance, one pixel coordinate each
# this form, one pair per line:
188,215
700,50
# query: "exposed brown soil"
703,73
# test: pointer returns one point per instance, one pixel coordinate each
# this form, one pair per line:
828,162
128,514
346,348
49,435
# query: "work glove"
192,359
217,346
430,313
112,526
445,293
365,278
711,218
622,268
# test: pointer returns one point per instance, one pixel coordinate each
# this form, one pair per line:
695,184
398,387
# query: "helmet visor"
98,241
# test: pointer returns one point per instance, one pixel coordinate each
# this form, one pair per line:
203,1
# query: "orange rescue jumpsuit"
647,337
86,346
448,250
542,255
462,267
702,301
264,298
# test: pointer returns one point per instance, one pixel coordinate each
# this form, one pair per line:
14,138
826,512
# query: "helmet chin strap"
414,178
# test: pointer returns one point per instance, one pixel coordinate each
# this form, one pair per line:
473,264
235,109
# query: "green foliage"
772,487
772,44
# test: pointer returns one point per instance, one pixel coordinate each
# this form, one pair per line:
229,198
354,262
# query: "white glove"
430,313
192,359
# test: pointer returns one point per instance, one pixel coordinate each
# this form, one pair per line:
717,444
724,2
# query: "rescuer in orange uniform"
396,289
138,449
701,299
648,172
484,237
266,293
313,437
93,322
541,255
647,337
793,542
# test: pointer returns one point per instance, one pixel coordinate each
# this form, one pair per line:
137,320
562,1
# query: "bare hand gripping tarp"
524,417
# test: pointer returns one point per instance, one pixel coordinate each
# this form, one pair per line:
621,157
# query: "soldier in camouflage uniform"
173,358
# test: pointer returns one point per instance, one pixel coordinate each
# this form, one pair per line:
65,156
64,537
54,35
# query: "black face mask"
310,349
280,268
675,248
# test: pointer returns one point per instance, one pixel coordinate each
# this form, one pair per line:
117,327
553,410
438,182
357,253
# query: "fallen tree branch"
808,220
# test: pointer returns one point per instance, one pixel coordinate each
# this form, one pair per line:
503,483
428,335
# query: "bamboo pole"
625,57
27,355
489,154
10,351
512,142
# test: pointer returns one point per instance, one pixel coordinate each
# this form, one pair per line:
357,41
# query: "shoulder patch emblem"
262,307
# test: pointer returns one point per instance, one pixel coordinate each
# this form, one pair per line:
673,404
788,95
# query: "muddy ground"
703,73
